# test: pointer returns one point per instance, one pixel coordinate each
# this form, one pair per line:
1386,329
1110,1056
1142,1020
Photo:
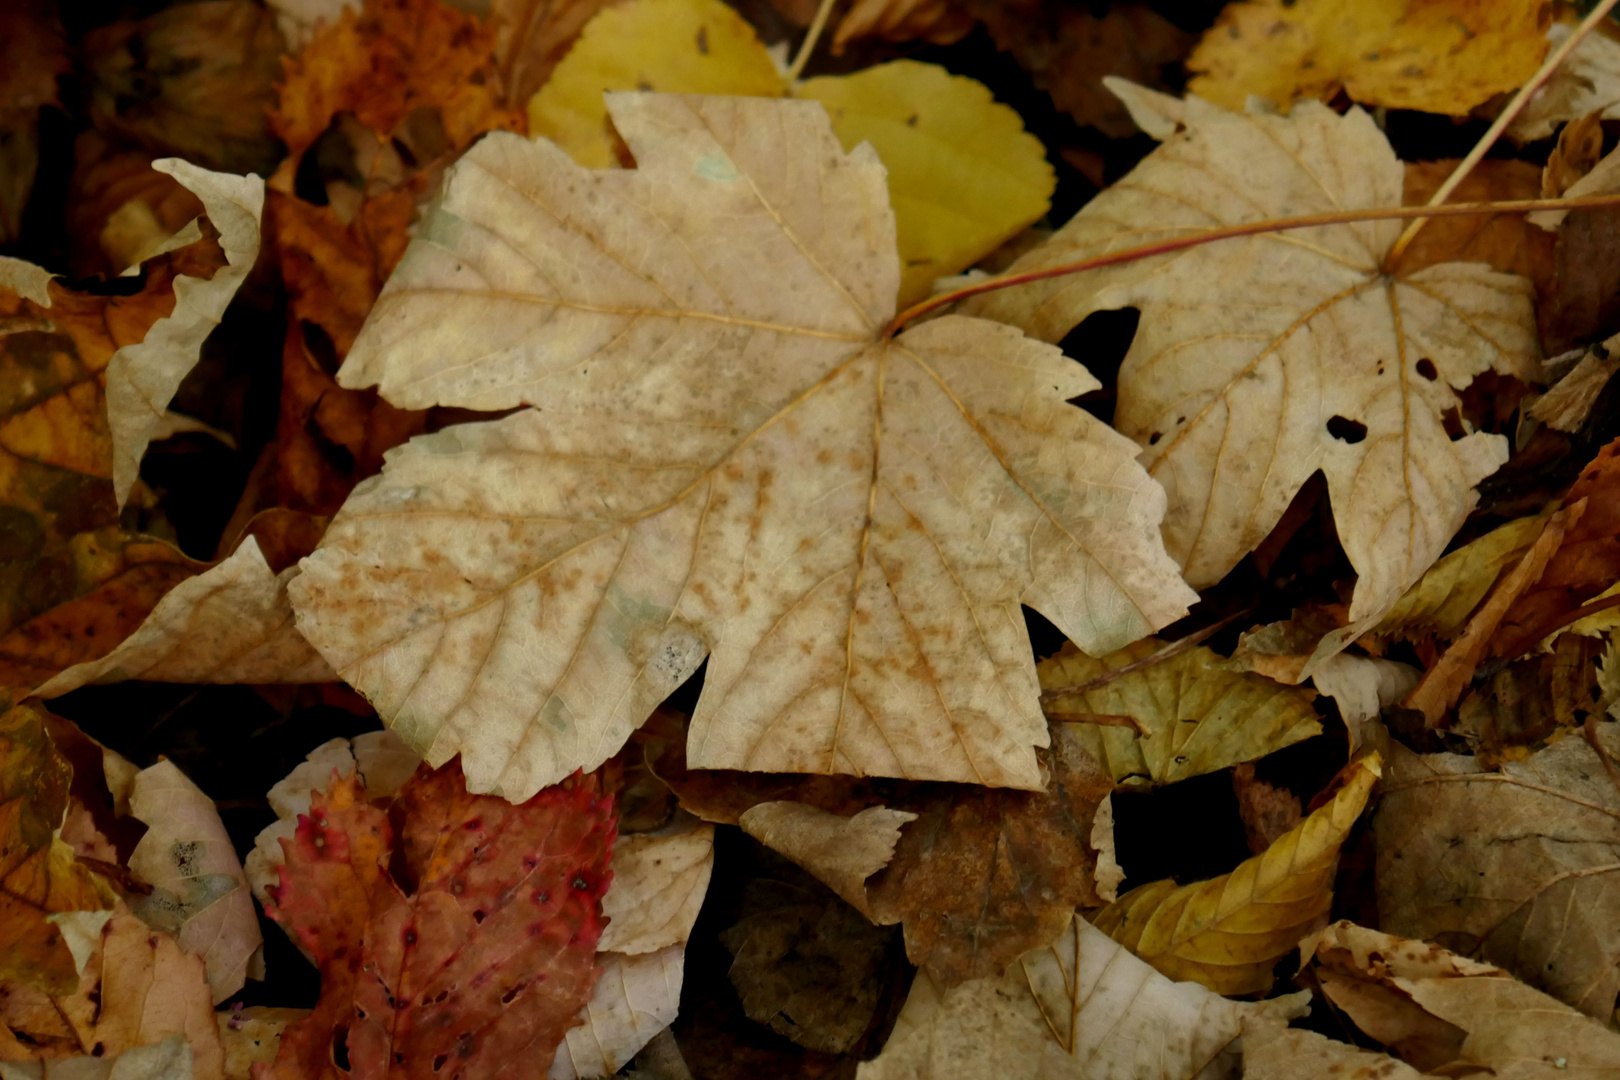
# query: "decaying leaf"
486,962
1567,403
635,999
1516,866
1273,1051
39,877
963,175
1199,713
1451,1016
1587,81
1363,687
532,37
231,623
199,893
1300,353
193,80
841,852
170,1059
253,1035
1229,932
138,987
1083,1008
33,54
886,636
1443,56
142,377
938,22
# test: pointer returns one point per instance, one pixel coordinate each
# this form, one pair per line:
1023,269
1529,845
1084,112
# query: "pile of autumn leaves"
706,440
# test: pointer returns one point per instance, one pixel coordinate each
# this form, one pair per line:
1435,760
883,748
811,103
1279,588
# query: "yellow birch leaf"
1442,56
964,176
678,46
1228,932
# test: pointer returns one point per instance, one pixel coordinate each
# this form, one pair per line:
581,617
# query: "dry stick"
812,35
1514,107
1229,232
1175,648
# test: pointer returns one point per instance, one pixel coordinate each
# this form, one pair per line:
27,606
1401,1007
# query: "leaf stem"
818,24
1228,232
1509,114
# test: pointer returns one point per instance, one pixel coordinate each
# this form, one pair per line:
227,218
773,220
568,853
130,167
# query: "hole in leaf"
438,1062
1425,368
340,1047
1153,439
1346,430
1451,420
1100,343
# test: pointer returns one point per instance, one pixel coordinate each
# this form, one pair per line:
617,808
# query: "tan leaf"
1517,866
1453,1016
230,624
659,881
143,377
253,1035
1200,714
841,852
1300,353
170,1059
1587,81
1567,403
1271,1051
1229,932
1083,1009
524,591
199,892
635,999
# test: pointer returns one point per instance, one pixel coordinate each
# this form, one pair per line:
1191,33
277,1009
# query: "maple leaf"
1299,353
1514,865
963,174
1198,714
1082,1009
1443,56
526,590
484,964
1229,932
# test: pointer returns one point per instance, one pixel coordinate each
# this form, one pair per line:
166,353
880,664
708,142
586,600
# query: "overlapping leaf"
846,524
1261,361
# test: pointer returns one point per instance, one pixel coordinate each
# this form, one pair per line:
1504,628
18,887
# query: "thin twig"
1174,649
1509,114
812,35
1229,232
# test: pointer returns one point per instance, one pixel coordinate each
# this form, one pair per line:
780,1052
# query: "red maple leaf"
482,967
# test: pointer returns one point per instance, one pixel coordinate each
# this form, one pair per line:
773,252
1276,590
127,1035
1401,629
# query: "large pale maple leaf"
725,455
482,968
1260,361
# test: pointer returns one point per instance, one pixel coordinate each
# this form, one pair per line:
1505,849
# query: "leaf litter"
753,680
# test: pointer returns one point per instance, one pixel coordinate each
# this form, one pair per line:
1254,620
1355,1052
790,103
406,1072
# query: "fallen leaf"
199,892
33,54
1083,1008
1577,152
120,209
1587,81
1069,49
1301,353
810,967
635,999
1228,933
492,953
230,624
1586,563
841,852
892,557
1273,1051
170,1059
138,988
532,37
193,80
1513,865
39,876
938,22
1363,687
1505,242
963,174
1534,700
142,377
659,880
1200,714
299,20
1403,993
1268,811
1568,402
1441,56
253,1035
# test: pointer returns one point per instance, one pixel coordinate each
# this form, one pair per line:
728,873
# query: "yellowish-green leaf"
1228,932
1199,714
964,176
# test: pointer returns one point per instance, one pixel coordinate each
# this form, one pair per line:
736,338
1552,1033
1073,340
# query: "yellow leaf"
1442,56
678,46
1198,715
1228,932
964,175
